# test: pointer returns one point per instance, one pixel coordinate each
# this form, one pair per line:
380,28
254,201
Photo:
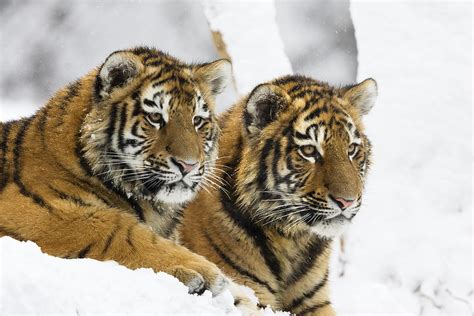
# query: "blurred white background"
48,43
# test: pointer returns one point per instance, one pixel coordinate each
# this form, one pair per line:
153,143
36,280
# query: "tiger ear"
217,75
362,95
117,71
263,106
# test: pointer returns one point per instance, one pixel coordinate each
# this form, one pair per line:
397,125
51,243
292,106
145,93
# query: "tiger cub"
294,160
104,168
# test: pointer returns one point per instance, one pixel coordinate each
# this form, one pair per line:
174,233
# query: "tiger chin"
295,159
103,170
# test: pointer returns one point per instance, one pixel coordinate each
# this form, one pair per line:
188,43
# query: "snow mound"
36,283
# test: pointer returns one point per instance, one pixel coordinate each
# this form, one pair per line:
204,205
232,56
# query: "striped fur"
270,224
94,172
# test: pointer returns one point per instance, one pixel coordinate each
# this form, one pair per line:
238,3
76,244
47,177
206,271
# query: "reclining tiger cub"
104,168
294,158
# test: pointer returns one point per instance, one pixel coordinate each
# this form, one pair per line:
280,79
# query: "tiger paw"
245,300
209,278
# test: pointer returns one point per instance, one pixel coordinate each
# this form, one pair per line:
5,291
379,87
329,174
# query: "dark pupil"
155,117
197,120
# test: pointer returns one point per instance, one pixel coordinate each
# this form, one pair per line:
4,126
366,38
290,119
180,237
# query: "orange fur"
268,226
70,182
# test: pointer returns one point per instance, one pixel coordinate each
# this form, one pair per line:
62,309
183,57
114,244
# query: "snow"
35,283
410,248
253,43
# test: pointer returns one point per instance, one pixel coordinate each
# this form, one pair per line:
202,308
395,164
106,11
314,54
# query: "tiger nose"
341,202
184,166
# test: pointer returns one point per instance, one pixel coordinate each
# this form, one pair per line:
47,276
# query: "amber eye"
308,151
352,150
155,118
197,121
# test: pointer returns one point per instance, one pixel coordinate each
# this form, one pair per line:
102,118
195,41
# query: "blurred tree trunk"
237,30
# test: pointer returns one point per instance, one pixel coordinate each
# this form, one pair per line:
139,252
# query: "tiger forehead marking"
320,123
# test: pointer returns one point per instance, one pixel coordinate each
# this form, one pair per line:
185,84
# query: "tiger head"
312,154
152,130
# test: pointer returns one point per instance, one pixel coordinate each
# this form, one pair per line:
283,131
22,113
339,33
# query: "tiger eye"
197,120
352,149
308,150
155,117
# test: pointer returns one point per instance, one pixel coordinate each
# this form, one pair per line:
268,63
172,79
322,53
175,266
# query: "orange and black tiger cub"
104,168
294,160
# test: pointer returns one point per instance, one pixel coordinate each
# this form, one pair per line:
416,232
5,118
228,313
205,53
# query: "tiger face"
313,157
153,131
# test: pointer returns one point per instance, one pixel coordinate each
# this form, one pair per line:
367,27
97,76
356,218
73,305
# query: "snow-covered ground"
34,283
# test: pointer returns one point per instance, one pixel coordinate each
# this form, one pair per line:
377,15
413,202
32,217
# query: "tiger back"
104,168
294,162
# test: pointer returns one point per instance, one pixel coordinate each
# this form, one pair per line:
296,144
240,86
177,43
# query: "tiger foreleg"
115,235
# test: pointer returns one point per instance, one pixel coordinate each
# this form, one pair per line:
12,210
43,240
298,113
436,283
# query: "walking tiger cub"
294,158
104,168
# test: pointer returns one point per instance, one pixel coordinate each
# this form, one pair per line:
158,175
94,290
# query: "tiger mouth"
179,185
311,219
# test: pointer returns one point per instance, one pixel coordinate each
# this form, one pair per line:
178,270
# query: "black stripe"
151,103
64,103
83,184
109,240
112,119
256,233
301,136
123,121
64,196
237,268
262,169
83,253
276,158
310,256
316,113
129,236
17,165
137,107
82,160
134,130
4,148
162,81
42,125
11,233
314,308
307,295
